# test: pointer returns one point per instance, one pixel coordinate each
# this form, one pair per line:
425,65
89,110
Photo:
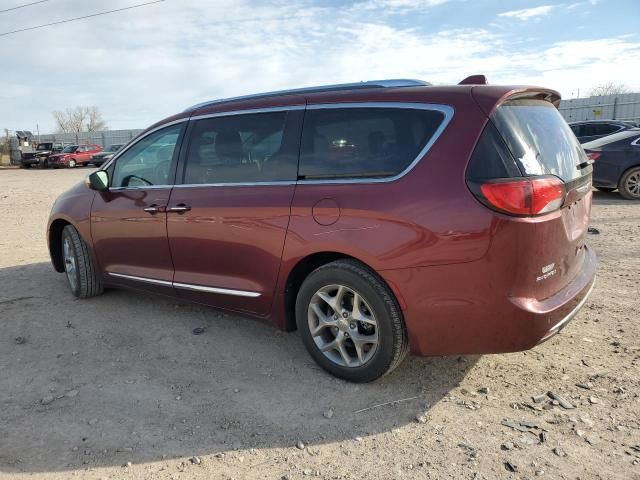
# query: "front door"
228,218
128,222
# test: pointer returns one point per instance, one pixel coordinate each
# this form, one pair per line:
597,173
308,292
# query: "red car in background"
377,218
74,155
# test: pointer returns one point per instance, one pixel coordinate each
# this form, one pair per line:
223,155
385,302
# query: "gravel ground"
119,387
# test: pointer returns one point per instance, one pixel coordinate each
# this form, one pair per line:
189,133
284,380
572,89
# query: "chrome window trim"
164,283
248,111
188,286
135,140
145,187
447,110
238,184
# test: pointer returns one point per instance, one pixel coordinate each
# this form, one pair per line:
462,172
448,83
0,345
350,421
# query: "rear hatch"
529,167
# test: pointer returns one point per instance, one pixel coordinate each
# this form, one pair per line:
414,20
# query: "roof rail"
392,83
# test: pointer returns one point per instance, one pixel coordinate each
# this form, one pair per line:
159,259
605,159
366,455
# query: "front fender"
73,207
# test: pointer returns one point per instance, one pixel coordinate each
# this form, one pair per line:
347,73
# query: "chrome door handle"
181,208
153,209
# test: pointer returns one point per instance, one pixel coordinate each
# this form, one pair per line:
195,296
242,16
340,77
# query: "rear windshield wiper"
584,164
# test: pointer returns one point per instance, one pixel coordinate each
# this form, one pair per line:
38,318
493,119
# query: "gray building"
625,106
103,138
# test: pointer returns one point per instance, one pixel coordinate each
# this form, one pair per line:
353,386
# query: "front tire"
72,163
82,275
629,185
350,322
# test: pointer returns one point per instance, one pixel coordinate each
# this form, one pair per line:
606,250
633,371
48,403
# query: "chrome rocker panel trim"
188,286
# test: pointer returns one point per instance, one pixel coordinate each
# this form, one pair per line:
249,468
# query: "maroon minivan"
377,218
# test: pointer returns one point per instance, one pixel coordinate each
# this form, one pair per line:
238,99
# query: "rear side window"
240,149
539,139
607,129
363,142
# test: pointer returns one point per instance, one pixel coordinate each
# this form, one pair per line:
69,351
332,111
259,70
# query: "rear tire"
606,189
358,334
82,275
629,186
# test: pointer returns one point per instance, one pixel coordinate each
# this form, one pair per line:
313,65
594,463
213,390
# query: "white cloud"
529,13
399,4
149,63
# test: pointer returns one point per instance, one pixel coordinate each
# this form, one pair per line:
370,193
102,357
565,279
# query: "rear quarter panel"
426,218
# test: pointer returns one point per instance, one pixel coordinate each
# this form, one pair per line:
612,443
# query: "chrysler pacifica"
377,218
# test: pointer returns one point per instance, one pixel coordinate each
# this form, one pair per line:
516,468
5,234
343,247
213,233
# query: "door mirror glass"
98,181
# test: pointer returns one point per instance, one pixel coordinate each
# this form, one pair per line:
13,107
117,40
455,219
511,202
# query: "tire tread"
90,283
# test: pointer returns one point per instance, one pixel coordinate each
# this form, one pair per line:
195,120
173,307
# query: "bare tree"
79,119
94,120
609,88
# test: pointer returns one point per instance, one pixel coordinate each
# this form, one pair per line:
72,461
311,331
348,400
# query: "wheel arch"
55,243
624,172
301,271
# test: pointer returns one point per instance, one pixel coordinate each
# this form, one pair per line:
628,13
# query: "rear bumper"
562,323
454,310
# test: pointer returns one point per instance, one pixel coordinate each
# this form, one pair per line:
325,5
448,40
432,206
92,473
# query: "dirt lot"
95,384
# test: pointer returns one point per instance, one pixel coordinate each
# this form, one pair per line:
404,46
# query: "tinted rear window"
364,142
539,139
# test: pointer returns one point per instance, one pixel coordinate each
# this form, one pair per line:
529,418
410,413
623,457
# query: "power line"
80,18
22,6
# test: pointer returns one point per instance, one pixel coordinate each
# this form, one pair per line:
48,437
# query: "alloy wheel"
343,326
633,184
70,266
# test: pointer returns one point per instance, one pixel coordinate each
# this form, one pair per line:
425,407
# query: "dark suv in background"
590,130
98,159
377,218
43,151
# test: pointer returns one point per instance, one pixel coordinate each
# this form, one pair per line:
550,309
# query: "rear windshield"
540,139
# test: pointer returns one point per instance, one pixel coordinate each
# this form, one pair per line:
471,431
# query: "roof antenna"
475,80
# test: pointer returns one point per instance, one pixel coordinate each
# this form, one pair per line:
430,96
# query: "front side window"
364,142
70,149
148,161
240,149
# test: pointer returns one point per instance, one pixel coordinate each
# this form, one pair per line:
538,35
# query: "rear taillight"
593,155
523,196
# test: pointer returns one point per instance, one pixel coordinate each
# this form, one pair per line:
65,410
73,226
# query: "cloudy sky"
143,64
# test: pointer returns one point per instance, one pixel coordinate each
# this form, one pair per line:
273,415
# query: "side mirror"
98,181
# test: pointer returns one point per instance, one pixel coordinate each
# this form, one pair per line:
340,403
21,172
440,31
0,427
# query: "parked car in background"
616,163
590,130
74,155
40,157
99,158
376,218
